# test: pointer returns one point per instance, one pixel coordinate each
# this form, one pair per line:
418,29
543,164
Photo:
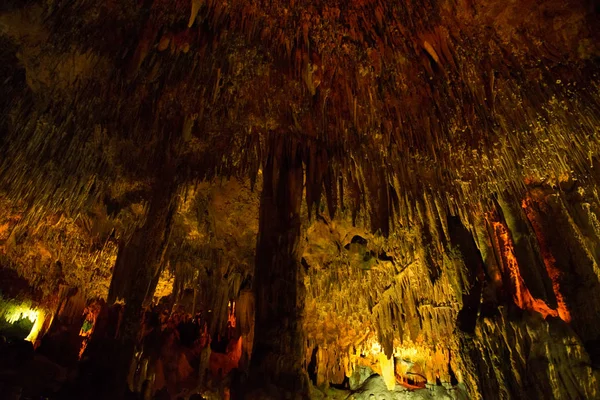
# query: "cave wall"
446,298
508,313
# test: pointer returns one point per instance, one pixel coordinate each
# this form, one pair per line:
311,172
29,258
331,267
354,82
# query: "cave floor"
26,374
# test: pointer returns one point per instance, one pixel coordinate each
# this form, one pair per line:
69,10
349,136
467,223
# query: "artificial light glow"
522,296
231,321
396,368
23,311
375,348
549,262
37,327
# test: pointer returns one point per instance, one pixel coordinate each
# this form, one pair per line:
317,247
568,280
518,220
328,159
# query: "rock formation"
299,200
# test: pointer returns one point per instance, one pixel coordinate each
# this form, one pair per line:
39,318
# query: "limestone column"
279,344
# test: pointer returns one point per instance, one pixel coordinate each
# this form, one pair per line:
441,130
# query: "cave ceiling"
464,98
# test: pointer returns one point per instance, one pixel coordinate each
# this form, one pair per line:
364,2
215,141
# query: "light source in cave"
18,312
402,367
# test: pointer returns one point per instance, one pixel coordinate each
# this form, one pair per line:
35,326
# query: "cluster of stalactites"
464,272
448,113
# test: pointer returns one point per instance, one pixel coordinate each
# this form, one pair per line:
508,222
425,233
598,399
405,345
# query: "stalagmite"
387,370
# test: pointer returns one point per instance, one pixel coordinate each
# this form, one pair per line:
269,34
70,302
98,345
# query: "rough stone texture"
368,296
516,344
447,153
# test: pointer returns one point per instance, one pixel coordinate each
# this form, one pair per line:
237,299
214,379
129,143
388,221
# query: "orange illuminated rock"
222,363
521,295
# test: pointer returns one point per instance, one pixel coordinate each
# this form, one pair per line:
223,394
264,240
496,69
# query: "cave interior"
360,199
